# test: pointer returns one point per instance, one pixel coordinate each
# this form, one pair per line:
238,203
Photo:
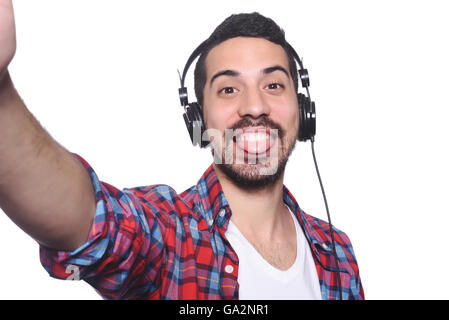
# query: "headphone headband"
193,56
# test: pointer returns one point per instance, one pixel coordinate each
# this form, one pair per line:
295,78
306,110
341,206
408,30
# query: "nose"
253,104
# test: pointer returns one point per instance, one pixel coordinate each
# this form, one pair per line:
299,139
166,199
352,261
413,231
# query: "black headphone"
193,115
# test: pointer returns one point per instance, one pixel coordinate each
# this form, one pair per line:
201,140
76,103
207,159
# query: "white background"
101,77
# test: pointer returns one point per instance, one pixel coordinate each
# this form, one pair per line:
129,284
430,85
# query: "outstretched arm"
44,189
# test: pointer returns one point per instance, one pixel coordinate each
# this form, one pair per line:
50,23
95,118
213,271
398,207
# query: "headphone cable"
312,140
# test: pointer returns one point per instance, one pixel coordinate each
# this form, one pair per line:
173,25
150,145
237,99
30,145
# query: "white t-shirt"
259,280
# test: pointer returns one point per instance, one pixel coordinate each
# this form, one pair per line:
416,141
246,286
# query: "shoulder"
161,198
320,233
321,230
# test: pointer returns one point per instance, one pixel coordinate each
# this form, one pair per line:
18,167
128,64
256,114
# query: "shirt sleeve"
122,257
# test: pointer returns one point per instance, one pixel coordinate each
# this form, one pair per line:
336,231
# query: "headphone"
193,116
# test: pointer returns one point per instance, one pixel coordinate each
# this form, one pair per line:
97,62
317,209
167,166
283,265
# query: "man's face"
250,109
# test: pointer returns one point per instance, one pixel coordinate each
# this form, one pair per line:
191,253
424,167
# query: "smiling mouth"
255,140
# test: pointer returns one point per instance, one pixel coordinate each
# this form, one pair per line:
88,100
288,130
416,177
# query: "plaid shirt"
152,243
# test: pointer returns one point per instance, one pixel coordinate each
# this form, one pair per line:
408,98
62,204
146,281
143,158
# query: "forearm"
44,189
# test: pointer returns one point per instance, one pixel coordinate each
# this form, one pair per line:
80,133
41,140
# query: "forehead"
245,54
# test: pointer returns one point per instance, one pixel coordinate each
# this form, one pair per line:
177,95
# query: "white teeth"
252,136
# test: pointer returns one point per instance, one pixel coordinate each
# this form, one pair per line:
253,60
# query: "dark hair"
242,25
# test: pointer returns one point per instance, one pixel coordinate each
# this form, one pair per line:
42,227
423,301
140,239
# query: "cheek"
289,118
217,117
295,120
293,114
216,121
211,119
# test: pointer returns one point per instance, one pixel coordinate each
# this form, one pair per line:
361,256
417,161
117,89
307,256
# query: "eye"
275,86
228,90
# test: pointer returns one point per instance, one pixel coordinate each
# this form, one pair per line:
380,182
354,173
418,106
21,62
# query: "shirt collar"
216,213
315,240
215,210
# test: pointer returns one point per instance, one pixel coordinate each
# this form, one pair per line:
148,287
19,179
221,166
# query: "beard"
255,172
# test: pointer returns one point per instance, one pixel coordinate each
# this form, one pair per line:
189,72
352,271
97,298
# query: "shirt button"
229,268
222,212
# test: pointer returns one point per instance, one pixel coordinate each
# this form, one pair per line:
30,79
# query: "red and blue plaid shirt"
153,243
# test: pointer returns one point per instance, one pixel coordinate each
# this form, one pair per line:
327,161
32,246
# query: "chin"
255,176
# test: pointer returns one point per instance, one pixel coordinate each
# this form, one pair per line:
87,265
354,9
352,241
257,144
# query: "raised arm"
44,188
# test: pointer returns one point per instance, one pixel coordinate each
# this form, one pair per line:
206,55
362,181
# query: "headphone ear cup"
312,119
302,116
193,118
307,118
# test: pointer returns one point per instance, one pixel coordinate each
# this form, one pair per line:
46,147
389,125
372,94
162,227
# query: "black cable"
329,220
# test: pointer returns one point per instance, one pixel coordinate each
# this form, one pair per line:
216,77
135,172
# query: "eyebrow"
276,68
230,73
233,73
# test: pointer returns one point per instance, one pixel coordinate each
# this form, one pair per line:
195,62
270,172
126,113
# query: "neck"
260,212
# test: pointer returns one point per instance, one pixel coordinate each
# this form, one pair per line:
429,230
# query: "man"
237,233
